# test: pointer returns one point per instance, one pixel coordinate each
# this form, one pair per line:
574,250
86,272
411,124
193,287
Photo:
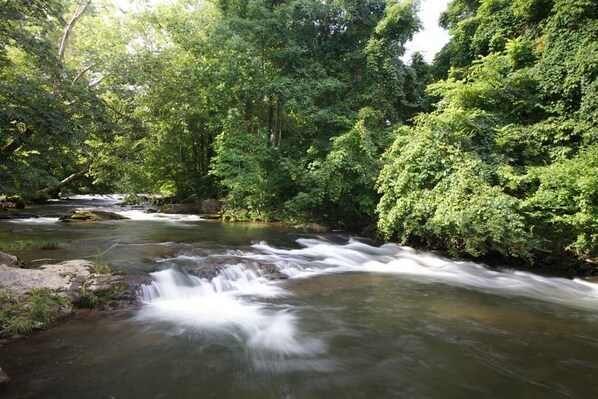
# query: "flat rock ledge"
75,282
34,298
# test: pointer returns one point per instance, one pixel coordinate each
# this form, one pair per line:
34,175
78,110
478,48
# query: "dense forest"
306,111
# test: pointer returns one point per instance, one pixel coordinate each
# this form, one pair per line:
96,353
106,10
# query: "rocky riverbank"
33,299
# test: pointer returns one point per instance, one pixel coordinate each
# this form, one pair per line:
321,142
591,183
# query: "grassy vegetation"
98,299
23,245
22,314
100,266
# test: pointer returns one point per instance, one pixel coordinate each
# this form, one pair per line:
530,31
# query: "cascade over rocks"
211,266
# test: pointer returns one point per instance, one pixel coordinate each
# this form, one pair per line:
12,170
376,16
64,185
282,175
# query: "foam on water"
165,217
34,221
318,256
223,306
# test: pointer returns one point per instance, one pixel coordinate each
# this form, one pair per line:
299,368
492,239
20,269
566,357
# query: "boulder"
61,287
312,228
12,203
191,206
211,206
91,216
8,260
180,209
58,278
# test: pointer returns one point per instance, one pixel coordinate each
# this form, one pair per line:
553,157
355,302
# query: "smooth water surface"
354,320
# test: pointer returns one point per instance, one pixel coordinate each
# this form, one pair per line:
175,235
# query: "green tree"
309,68
506,162
44,117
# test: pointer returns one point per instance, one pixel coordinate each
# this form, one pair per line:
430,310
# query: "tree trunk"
53,190
69,28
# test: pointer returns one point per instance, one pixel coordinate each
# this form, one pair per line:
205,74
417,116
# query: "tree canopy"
306,110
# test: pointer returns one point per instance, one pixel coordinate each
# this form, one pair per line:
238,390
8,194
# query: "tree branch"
80,74
69,28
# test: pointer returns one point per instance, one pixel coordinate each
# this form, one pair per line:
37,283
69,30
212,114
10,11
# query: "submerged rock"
6,214
4,378
91,216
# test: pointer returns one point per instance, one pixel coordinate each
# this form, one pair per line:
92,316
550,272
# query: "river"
354,320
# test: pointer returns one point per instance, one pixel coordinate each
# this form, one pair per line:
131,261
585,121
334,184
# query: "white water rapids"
235,301
352,319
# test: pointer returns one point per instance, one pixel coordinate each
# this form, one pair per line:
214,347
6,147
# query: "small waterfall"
237,302
228,304
233,280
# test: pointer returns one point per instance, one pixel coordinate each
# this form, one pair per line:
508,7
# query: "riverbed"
354,318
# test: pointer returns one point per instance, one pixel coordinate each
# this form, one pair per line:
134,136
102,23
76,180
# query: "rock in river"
91,216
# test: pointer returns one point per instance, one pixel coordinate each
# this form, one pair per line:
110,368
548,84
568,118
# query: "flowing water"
353,320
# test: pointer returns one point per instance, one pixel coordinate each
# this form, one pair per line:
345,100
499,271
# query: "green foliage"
437,190
22,245
99,266
293,142
285,108
507,162
340,188
566,202
240,167
45,115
